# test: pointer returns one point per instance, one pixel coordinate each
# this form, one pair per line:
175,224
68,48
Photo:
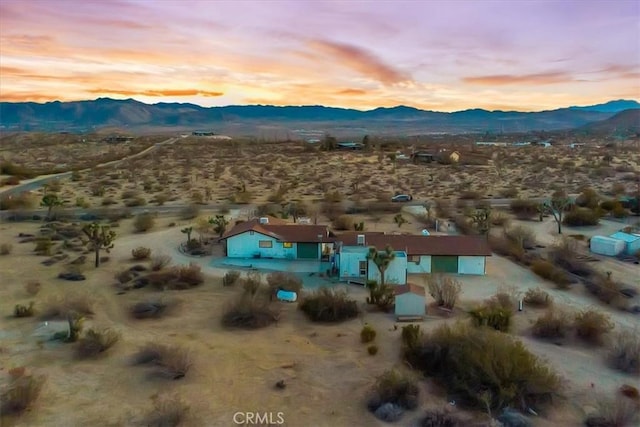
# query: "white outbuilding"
603,245
410,302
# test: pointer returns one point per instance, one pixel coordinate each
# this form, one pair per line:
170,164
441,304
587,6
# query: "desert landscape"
154,289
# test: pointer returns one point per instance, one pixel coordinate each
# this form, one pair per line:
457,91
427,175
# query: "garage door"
308,250
444,264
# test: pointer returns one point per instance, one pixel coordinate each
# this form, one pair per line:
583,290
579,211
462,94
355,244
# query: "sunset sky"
439,55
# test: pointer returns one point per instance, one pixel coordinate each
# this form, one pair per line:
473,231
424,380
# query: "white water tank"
604,245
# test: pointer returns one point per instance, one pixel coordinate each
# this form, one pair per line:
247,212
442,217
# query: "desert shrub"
503,246
43,246
439,418
33,287
609,205
343,222
124,276
152,309
59,307
507,371
581,216
372,350
411,336
189,275
144,222
619,212
21,393
230,278
396,388
548,271
286,281
248,311
553,324
591,325
624,354
524,209
24,310
367,334
177,278
495,317
565,254
5,248
521,236
382,296
444,289
158,262
252,282
620,412
537,297
604,288
172,362
499,218
140,253
328,305
96,342
190,212
167,412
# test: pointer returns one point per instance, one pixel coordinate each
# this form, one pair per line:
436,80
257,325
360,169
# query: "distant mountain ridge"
249,119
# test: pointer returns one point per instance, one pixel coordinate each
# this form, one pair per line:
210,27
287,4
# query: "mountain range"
134,116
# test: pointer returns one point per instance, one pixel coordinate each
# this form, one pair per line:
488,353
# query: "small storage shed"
410,302
631,241
604,245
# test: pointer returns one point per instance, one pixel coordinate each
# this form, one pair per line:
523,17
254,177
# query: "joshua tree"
381,259
50,201
557,205
100,237
219,224
399,219
482,219
187,231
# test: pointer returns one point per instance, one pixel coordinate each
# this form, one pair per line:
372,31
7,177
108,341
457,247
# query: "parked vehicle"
402,198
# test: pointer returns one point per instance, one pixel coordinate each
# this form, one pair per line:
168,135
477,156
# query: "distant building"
350,146
491,143
117,138
202,133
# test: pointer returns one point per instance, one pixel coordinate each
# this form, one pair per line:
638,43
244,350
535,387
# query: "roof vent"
264,220
360,240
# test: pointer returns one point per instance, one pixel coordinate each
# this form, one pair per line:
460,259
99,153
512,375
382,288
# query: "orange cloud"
157,92
351,92
508,79
360,60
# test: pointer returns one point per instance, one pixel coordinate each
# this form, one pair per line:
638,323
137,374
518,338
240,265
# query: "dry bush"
5,248
158,262
372,350
367,334
621,412
153,309
591,325
328,305
24,311
140,253
492,316
503,246
190,212
604,288
33,287
396,388
21,393
524,209
444,289
249,312
95,342
499,218
172,362
548,271
168,411
553,324
439,418
343,222
60,306
125,276
284,281
508,372
230,278
537,297
580,217
521,236
624,354
144,222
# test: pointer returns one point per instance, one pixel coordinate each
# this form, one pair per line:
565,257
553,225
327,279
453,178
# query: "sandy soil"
327,369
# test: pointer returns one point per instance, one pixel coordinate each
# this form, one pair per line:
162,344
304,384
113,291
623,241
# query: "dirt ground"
327,370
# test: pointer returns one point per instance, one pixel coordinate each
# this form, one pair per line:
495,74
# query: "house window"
287,245
265,243
414,258
363,268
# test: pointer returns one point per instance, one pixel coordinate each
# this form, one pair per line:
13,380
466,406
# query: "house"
349,146
410,302
490,144
448,157
271,238
422,157
631,242
117,138
202,133
415,254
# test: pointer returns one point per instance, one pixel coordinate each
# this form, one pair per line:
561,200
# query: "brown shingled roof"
295,233
422,245
409,287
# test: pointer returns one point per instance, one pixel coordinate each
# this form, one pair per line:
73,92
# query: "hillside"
82,116
627,121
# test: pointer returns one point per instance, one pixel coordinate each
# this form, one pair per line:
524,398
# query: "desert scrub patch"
329,305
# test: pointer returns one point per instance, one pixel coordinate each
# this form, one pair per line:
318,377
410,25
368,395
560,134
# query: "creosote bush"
620,412
23,310
591,325
20,393
33,287
553,324
439,418
5,248
158,262
172,362
394,387
507,371
328,305
153,309
286,281
177,278
624,354
548,271
168,411
372,350
140,253
445,290
95,342
144,222
537,297
367,334
59,307
249,311
230,278
493,316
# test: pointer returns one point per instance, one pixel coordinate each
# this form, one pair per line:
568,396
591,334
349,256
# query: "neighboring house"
350,146
446,156
491,143
410,302
422,157
264,238
422,254
631,242
202,133
354,267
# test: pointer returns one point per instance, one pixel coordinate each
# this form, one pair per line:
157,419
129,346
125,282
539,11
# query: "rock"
389,412
281,385
73,277
513,418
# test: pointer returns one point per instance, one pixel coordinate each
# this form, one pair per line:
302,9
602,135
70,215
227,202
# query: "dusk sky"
438,55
